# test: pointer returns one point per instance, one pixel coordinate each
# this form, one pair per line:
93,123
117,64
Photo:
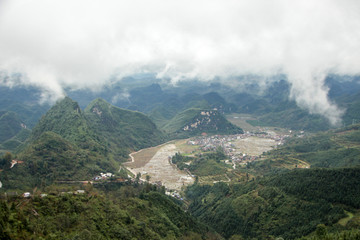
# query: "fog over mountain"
89,44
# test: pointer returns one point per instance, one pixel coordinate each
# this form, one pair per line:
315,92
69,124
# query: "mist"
81,44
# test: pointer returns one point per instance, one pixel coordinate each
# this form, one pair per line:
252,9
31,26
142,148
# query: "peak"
99,100
65,99
97,103
67,103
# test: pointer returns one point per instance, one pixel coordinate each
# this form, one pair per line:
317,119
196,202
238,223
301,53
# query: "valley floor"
159,167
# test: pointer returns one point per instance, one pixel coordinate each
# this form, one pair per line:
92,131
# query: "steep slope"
10,125
66,119
193,122
16,141
66,146
123,130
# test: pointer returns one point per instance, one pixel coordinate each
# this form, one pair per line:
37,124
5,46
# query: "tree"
321,231
138,176
148,178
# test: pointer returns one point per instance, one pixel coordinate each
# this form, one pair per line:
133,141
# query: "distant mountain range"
271,106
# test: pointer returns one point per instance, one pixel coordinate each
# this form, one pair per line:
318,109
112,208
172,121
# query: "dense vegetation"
272,206
52,158
122,129
340,148
10,125
73,144
207,164
68,144
13,132
125,212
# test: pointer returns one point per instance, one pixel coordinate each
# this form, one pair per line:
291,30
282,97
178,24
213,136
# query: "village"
241,148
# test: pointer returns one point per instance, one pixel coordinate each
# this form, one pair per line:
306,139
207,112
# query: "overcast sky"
83,43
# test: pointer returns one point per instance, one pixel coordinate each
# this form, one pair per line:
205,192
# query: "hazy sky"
82,43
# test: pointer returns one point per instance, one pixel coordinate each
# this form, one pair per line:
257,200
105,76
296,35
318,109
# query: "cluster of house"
212,143
103,176
42,195
174,194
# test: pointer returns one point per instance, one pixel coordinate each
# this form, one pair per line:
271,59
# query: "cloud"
84,44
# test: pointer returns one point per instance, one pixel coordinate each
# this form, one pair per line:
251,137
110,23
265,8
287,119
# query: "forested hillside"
337,148
126,212
287,205
69,144
122,129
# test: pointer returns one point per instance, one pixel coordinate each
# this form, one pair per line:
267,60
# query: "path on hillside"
160,169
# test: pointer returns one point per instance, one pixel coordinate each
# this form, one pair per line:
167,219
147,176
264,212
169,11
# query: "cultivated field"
254,146
155,163
240,120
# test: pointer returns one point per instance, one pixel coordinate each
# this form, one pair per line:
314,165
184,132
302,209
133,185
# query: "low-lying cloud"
83,44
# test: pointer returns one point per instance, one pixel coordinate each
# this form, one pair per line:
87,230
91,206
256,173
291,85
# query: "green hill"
68,144
336,148
66,119
51,158
94,215
193,122
287,205
123,130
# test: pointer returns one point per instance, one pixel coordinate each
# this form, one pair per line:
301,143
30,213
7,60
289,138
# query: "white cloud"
81,43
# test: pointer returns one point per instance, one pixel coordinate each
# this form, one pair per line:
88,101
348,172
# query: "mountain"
25,102
66,119
71,144
274,108
122,129
218,102
192,122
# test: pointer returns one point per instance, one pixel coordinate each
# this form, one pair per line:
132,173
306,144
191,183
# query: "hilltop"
192,122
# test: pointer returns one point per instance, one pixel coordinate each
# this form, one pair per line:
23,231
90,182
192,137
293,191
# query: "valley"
240,149
250,168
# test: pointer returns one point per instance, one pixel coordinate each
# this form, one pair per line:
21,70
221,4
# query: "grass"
186,148
240,120
345,220
142,157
